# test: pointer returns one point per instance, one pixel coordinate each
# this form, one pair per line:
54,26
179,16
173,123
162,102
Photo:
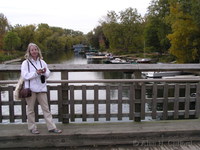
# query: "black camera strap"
42,77
34,65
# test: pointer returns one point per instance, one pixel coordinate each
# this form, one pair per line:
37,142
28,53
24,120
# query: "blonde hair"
28,54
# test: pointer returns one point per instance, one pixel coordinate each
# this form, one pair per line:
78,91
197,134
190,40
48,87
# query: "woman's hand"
41,71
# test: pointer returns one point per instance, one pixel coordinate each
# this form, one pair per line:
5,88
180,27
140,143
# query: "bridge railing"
110,99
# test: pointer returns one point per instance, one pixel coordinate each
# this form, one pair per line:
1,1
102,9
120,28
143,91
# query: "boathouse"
80,48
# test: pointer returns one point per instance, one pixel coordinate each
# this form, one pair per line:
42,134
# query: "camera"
43,70
42,78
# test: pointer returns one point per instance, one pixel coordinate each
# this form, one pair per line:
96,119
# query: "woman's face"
34,52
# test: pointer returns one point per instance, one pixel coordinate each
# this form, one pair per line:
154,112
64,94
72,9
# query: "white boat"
182,77
165,74
118,61
144,60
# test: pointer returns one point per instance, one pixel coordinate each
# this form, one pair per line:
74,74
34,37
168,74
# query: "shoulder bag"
21,92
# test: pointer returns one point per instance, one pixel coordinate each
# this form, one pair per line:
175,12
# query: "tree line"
50,39
169,27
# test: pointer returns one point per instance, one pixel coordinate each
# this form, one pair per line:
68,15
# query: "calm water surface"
71,58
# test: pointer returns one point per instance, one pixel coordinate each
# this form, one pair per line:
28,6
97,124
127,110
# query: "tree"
196,17
4,26
42,32
124,31
111,30
152,42
156,28
26,34
11,41
185,32
55,43
113,33
132,29
195,4
97,39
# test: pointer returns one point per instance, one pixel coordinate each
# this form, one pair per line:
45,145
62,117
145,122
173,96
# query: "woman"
34,70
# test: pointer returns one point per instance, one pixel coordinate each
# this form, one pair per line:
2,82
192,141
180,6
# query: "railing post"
1,118
65,99
197,101
137,95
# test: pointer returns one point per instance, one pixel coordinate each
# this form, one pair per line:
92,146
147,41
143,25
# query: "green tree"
195,4
4,27
156,27
42,32
11,41
110,26
132,29
26,34
196,17
124,31
68,43
55,44
184,37
152,42
113,33
97,39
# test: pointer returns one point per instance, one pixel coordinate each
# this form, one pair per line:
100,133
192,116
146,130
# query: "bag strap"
29,71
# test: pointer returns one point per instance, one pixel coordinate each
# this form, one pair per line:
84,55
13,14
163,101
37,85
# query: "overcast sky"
78,15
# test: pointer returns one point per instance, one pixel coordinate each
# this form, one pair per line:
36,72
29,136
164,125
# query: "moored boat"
144,60
117,61
168,74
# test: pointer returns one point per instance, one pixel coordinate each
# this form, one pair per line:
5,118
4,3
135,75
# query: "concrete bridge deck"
179,134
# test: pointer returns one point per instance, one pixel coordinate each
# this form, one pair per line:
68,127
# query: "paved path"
181,133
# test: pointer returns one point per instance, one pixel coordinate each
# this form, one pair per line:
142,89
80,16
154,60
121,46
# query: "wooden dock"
169,135
13,61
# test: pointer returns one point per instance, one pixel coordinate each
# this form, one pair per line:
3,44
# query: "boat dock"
168,135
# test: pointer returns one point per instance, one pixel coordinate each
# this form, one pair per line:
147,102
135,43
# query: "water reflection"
9,76
58,58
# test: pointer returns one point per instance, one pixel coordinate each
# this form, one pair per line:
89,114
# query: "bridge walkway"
179,134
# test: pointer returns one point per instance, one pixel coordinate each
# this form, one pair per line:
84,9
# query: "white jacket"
35,82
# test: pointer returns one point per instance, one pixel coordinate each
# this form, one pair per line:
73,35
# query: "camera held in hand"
43,70
42,78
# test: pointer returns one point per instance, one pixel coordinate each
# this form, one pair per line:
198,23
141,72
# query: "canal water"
71,58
